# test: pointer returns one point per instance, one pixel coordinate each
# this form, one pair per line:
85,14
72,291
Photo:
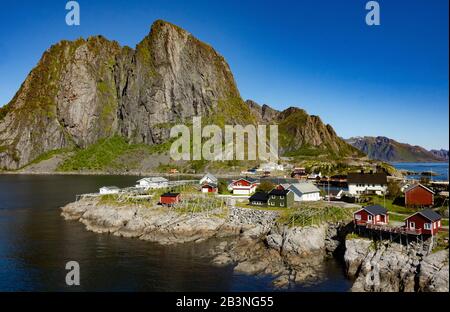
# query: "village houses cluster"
303,187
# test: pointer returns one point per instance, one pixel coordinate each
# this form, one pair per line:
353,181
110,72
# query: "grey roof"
259,196
154,180
209,184
276,192
304,188
376,210
210,176
429,214
409,188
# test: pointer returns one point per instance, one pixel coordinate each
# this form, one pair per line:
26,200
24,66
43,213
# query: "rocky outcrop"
259,245
434,272
386,267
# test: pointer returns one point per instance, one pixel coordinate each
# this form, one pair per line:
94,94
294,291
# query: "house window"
439,223
273,196
427,226
281,197
434,224
412,225
281,204
358,217
369,218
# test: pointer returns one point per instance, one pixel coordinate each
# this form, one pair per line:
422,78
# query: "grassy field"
388,204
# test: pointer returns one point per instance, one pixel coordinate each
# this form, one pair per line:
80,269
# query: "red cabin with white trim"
377,215
425,222
209,188
244,186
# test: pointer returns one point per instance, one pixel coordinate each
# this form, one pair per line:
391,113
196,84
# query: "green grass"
308,216
388,204
102,155
440,242
397,218
47,156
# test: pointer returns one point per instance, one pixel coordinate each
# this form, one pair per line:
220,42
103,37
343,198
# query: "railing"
389,229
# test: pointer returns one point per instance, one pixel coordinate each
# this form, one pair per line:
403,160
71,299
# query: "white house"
209,178
153,183
109,190
360,183
243,186
304,192
271,166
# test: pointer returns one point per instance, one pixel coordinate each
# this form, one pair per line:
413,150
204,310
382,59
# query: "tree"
394,189
265,186
222,187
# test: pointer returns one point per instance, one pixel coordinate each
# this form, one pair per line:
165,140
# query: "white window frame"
427,226
358,217
412,225
369,218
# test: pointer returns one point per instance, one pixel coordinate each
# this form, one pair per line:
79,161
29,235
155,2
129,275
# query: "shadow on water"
36,243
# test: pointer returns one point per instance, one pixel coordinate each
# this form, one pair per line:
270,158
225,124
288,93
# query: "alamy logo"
373,16
73,16
211,143
73,276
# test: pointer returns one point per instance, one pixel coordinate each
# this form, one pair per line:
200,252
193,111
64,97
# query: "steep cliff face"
87,90
65,101
385,149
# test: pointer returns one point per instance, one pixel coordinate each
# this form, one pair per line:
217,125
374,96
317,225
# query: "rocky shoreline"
391,267
253,242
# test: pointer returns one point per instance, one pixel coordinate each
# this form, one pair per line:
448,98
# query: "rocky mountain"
90,89
302,134
442,154
385,149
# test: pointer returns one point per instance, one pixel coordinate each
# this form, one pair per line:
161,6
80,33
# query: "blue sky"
319,55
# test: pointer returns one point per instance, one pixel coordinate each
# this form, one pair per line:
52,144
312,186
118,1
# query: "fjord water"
36,243
440,169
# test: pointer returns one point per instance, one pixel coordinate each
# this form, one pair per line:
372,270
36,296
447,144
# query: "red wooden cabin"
418,195
377,215
425,222
170,198
209,188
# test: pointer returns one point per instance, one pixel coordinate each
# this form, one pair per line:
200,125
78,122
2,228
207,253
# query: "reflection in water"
36,243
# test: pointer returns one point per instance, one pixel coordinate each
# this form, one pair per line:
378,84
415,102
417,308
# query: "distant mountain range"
386,149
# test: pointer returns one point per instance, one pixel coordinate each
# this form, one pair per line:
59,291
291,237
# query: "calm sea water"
440,168
36,243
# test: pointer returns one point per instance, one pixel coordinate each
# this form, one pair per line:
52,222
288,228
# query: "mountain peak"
387,149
